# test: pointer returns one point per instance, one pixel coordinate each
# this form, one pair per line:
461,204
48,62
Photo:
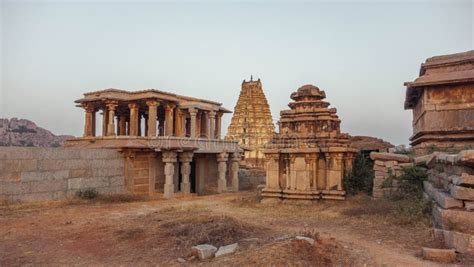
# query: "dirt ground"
158,232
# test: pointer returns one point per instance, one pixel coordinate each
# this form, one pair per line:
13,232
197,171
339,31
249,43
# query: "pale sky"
359,52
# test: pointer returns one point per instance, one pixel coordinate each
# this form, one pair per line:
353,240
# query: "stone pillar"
169,120
122,125
315,171
212,125
128,126
222,182
288,174
235,171
133,119
139,127
193,113
207,129
219,125
152,117
273,172
185,158
328,172
292,172
169,158
105,121
161,127
89,126
178,127
111,106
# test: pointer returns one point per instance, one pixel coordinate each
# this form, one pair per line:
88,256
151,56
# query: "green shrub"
361,178
409,184
89,193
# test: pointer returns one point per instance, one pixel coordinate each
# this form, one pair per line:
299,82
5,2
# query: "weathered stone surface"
443,199
252,123
466,157
368,143
390,157
454,220
464,180
460,192
462,243
204,251
469,205
307,239
439,255
226,250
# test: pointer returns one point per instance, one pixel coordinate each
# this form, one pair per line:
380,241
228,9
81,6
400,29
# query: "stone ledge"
441,198
463,243
453,220
390,157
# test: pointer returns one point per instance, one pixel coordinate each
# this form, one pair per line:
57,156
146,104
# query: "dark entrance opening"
192,177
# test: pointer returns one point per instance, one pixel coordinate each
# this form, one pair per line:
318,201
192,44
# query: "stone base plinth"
289,196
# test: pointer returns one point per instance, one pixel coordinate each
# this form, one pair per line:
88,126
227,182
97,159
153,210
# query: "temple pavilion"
309,157
171,143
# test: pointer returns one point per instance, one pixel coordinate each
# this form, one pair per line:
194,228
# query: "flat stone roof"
450,69
123,95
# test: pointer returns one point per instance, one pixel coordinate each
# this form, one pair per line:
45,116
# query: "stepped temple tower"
442,101
309,157
252,124
171,143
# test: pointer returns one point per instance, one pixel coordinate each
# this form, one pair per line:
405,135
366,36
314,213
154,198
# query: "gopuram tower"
252,124
310,156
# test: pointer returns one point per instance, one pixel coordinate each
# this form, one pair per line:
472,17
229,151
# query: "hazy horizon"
359,52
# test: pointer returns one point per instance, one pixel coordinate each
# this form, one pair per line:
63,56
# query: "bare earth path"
158,232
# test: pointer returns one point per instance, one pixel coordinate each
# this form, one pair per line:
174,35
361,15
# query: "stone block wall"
32,174
251,178
450,187
384,165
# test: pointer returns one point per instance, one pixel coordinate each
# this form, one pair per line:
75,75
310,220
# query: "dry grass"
208,229
400,212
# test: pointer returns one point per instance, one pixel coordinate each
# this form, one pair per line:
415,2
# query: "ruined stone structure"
171,143
442,100
252,124
310,156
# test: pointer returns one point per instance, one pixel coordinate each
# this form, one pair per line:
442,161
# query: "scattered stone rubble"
207,251
450,186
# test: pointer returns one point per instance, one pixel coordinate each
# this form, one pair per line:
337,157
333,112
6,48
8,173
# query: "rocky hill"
368,143
21,132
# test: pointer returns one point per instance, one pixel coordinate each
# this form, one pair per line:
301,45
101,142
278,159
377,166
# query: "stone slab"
443,199
439,255
462,243
226,250
469,205
460,192
454,220
204,251
466,157
389,157
464,179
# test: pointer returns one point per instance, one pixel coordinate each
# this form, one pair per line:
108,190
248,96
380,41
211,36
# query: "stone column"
273,173
139,126
222,168
128,126
212,125
169,119
105,121
178,127
328,172
169,158
193,113
207,129
111,106
133,119
152,117
219,125
288,174
89,126
235,171
292,172
122,125
315,171
185,158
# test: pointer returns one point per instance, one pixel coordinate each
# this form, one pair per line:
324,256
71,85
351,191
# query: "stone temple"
309,157
171,143
252,124
442,100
